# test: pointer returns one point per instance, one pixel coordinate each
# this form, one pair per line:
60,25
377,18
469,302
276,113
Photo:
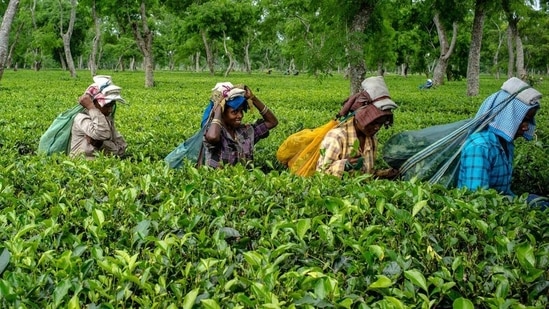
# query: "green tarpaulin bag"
57,137
191,149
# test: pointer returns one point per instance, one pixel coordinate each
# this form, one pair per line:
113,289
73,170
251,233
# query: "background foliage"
132,233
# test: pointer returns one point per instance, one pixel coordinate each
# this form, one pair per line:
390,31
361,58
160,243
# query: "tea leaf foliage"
133,233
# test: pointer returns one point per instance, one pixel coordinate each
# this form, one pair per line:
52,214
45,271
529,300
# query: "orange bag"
301,150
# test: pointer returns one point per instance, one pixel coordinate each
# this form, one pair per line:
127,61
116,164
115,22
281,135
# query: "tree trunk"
229,55
267,60
511,51
446,50
247,60
67,36
171,60
95,41
63,61
144,39
355,56
521,70
380,70
495,60
197,62
473,64
209,55
12,47
5,33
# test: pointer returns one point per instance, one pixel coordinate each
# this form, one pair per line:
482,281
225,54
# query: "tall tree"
446,49
138,18
473,64
515,10
5,28
96,39
359,17
66,36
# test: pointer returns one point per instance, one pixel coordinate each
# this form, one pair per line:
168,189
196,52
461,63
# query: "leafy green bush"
131,233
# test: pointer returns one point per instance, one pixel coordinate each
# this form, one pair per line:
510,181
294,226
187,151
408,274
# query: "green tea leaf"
303,226
381,282
210,304
417,278
61,291
462,303
525,255
4,260
190,298
98,217
418,206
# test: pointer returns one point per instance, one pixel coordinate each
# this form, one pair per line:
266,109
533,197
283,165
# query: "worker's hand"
95,143
354,163
86,101
390,173
249,94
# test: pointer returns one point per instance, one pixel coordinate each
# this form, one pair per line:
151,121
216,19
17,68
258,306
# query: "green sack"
402,146
191,149
57,137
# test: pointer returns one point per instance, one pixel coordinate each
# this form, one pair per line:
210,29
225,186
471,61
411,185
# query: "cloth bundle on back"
433,154
301,151
57,137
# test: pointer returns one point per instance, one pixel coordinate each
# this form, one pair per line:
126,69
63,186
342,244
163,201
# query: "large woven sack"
301,150
57,137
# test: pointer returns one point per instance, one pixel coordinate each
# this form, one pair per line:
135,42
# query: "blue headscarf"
234,103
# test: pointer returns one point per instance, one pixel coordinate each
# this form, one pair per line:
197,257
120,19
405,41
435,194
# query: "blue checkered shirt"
485,164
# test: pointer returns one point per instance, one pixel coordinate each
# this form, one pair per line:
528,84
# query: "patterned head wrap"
508,120
369,113
103,91
374,92
226,94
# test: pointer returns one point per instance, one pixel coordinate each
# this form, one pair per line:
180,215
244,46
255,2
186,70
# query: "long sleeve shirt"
93,132
486,164
340,144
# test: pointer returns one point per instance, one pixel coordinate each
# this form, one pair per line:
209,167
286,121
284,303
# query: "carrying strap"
201,152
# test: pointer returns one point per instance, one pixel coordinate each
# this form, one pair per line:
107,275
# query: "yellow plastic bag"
301,150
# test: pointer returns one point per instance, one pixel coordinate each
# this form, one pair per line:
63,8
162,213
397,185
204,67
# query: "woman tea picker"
352,145
93,130
227,141
487,156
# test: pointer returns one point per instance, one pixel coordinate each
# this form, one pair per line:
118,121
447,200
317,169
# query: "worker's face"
233,117
526,123
106,109
373,127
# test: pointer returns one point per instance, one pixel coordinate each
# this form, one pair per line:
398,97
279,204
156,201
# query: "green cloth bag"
57,137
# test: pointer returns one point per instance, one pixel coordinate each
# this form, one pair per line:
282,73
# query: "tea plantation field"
134,234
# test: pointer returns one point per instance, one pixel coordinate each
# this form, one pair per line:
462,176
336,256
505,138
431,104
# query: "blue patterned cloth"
487,156
485,164
508,119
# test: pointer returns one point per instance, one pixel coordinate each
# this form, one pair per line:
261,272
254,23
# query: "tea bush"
131,233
